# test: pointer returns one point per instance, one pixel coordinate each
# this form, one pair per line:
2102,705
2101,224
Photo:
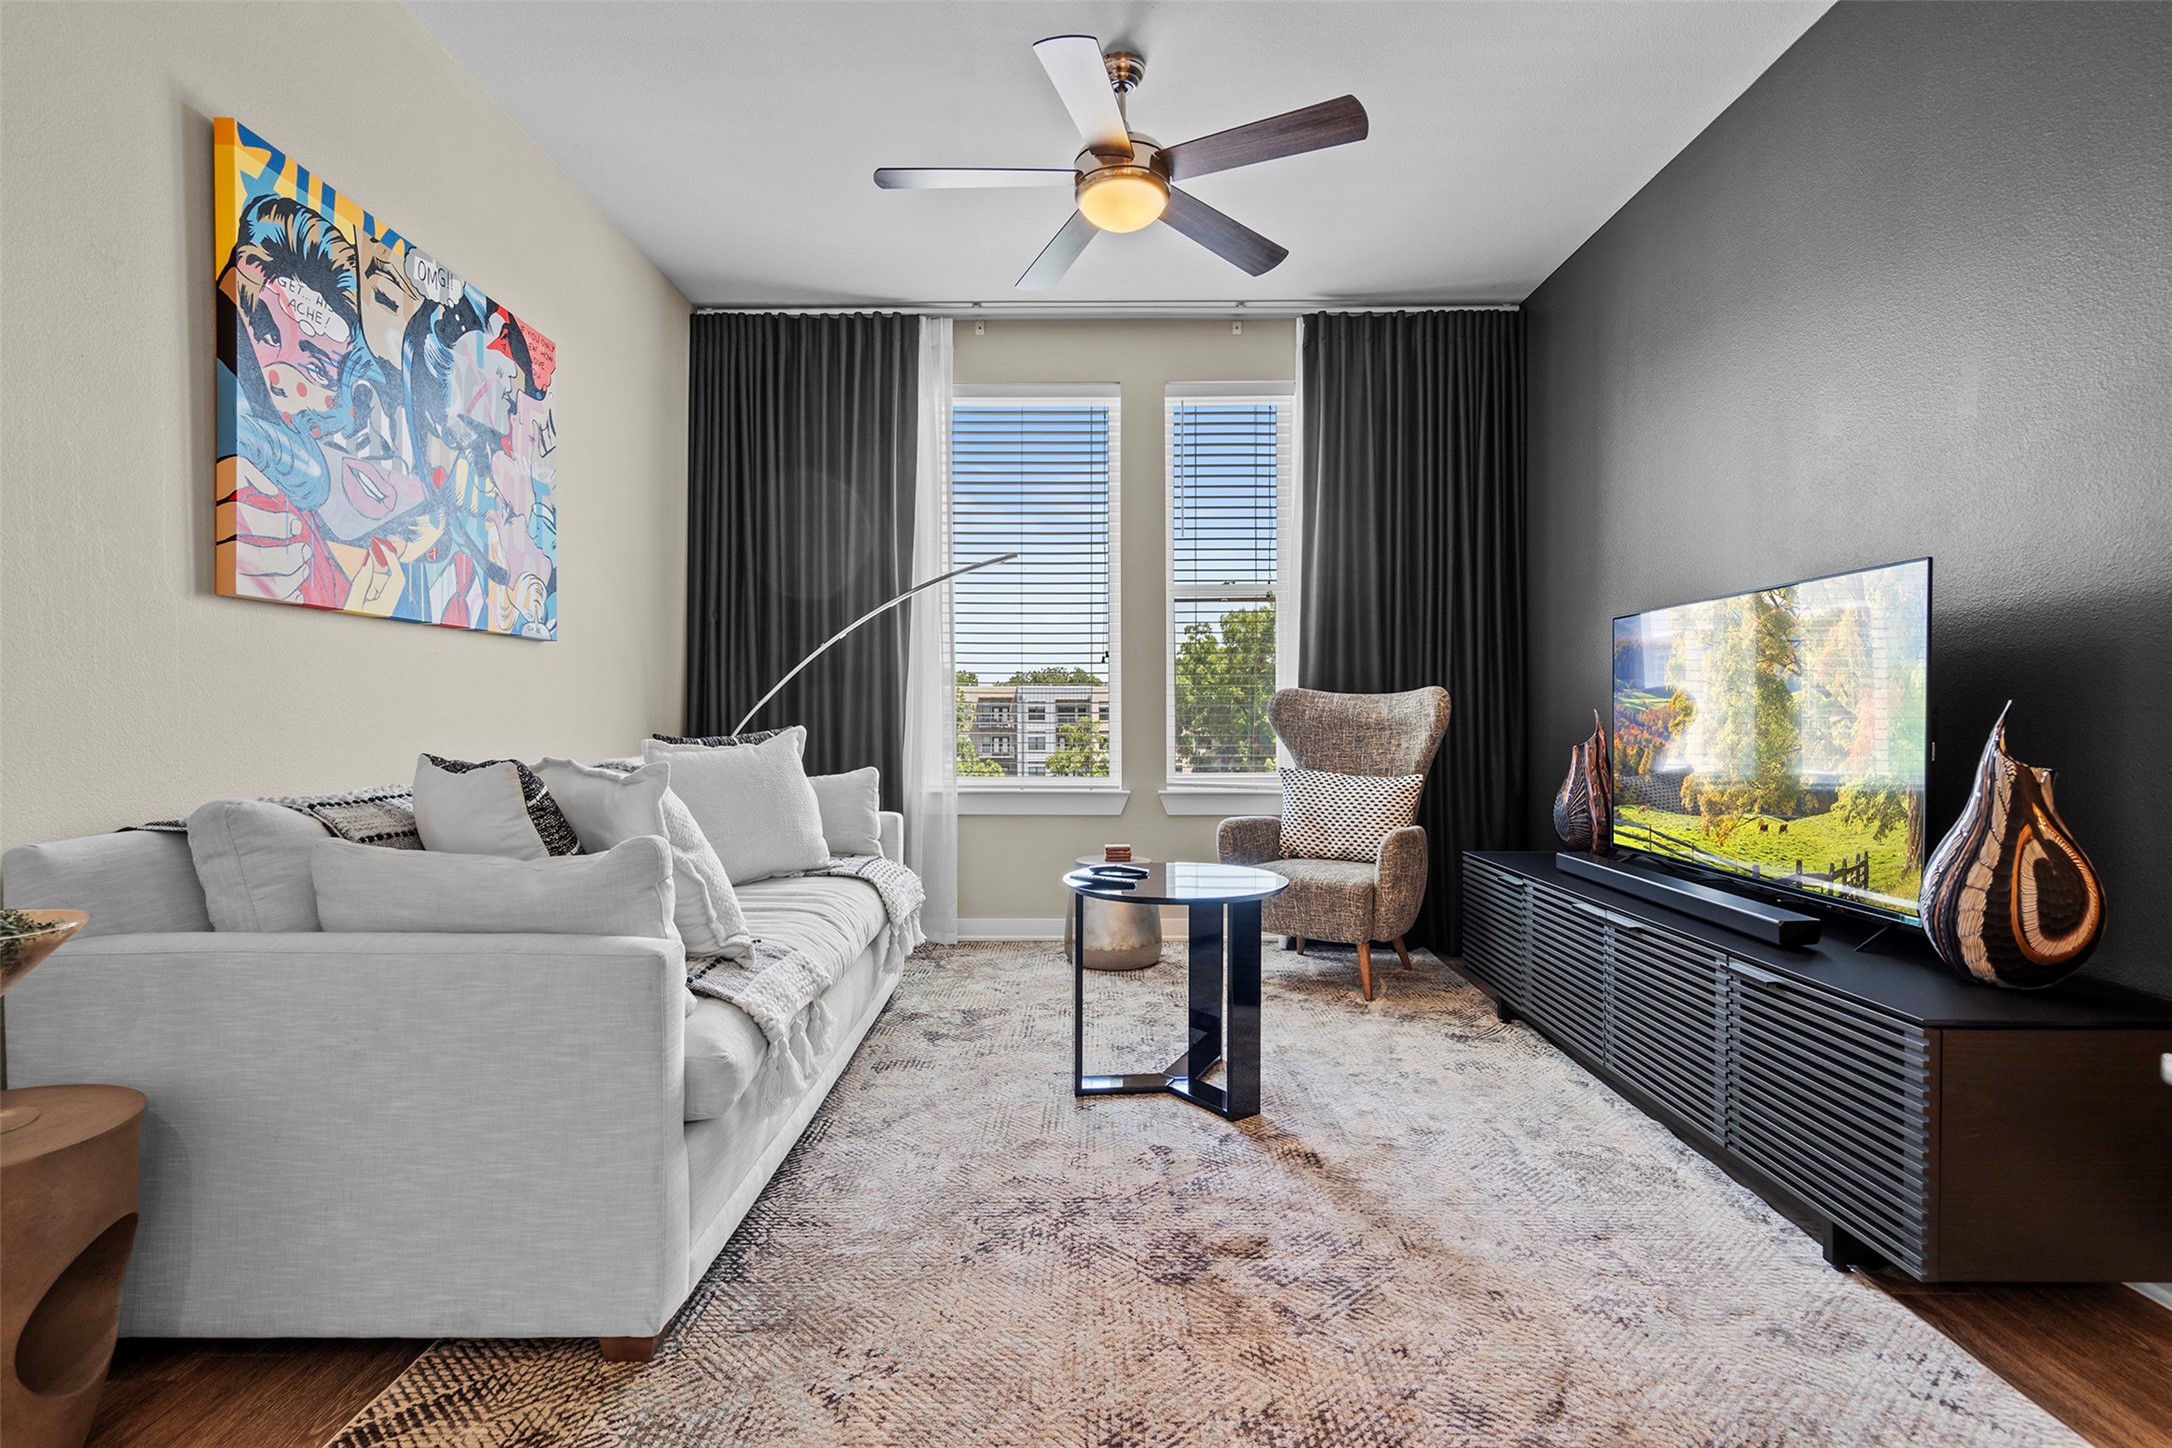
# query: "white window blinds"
1229,467
1035,475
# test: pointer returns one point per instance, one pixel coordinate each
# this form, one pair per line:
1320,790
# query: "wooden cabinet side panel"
2055,1156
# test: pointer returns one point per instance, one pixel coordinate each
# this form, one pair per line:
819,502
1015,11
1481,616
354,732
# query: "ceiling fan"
1124,181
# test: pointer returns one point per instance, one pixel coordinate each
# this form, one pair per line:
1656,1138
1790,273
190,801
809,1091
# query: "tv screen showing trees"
1780,735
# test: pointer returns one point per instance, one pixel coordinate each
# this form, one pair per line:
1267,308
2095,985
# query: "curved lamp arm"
741,726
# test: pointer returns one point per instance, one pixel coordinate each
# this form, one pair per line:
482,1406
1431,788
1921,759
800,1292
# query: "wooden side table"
67,1223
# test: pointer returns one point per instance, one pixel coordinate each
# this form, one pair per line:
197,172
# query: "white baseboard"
997,927
1174,926
2157,1292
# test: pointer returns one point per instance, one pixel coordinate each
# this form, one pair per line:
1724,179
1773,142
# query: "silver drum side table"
1120,934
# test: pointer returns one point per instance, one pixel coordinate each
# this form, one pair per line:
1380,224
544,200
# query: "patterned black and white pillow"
721,741
551,825
1344,816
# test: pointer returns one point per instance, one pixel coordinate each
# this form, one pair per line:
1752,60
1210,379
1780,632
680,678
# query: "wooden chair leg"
1365,968
1403,951
629,1349
1300,945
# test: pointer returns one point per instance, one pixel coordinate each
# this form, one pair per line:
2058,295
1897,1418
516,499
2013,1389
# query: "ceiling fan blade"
1232,241
921,178
1075,67
1056,257
1330,123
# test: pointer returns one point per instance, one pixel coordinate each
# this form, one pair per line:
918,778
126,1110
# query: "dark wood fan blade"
919,178
1074,66
1330,123
1232,241
1056,257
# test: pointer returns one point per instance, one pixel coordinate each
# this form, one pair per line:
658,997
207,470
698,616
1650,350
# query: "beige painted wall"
1010,866
128,690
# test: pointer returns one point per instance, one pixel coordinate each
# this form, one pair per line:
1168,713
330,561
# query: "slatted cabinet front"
1830,1099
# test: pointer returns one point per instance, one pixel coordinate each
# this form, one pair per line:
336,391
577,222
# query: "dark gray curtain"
801,452
1413,477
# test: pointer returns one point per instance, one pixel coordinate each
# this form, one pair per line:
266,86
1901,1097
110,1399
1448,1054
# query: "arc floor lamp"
880,608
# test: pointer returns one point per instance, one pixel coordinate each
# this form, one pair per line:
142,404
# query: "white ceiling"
733,141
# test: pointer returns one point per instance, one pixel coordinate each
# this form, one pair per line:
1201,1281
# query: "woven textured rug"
1438,1231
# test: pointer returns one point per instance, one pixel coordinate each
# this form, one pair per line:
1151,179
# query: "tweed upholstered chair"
1352,902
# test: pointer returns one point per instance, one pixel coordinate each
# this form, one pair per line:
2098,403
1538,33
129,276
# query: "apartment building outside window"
1034,471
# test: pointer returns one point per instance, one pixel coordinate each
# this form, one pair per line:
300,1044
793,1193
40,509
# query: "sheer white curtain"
931,710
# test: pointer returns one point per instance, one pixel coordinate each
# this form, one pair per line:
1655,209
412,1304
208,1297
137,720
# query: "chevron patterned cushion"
1344,816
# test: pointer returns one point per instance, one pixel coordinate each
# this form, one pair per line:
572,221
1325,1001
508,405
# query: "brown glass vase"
1584,805
2008,897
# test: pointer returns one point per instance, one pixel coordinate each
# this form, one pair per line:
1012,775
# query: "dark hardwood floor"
271,1393
2098,1358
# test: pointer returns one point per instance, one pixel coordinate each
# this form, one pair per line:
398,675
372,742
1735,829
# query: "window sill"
1027,799
1222,800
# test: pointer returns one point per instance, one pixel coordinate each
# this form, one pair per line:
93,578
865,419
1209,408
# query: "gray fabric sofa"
390,1135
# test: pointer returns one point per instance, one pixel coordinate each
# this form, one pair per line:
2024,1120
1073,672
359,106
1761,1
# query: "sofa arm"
385,1135
1250,839
1399,884
890,831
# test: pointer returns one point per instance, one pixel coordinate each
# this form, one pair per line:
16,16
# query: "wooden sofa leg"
1365,968
1403,951
629,1349
1300,946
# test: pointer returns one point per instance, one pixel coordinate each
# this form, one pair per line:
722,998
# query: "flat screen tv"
1780,737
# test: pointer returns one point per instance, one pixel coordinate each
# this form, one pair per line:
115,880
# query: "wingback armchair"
1352,902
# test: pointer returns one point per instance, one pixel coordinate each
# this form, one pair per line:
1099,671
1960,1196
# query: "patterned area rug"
1438,1231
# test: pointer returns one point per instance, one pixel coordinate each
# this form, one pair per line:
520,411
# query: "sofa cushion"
497,807
623,891
851,805
252,859
622,800
1327,900
832,914
133,881
753,801
829,916
724,1050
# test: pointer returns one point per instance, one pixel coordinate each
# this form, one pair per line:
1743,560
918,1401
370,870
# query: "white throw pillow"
624,891
851,808
495,808
1344,816
752,801
609,806
252,858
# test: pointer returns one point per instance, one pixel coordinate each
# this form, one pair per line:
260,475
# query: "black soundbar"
1788,928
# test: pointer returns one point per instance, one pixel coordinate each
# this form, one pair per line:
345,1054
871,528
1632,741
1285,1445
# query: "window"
1230,483
1034,472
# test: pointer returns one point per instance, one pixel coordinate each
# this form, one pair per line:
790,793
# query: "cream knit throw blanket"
780,982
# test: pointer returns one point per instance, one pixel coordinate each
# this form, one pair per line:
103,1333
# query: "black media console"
1958,1132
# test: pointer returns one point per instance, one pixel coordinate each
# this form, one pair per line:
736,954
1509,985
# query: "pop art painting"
385,438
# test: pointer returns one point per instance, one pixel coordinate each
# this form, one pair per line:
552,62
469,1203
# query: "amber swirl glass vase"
2008,896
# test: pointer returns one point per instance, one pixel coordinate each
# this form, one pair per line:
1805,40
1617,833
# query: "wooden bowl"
20,954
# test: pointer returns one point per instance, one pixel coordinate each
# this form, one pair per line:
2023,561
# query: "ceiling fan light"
1122,198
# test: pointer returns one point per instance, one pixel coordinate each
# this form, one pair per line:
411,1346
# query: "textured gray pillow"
851,804
610,805
252,858
623,891
753,802
495,808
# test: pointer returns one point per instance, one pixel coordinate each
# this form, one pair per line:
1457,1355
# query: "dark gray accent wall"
1912,293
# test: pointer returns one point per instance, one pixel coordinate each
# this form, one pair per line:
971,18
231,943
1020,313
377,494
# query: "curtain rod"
1117,311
